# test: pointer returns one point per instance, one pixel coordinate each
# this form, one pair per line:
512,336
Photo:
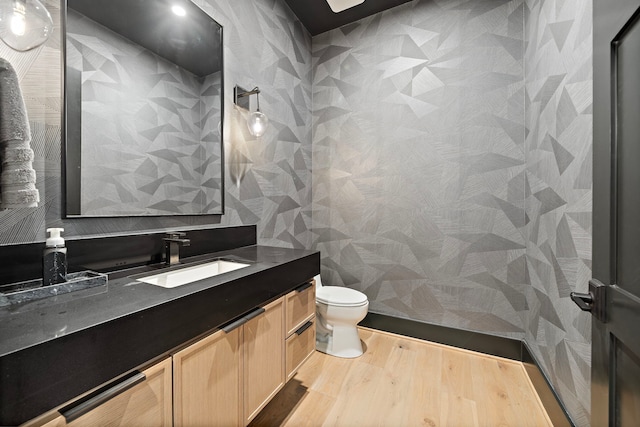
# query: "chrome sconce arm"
239,93
257,121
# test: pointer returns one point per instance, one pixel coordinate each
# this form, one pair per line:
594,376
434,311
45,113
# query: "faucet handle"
177,237
175,234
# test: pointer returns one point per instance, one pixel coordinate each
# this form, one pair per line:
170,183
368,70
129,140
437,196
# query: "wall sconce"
24,24
256,122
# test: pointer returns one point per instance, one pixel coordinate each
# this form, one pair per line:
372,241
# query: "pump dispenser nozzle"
55,240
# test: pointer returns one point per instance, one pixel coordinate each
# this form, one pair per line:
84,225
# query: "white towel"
17,180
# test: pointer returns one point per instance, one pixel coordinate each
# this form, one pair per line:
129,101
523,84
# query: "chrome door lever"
584,301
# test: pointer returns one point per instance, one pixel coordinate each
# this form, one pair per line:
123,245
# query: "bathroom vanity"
215,350
250,363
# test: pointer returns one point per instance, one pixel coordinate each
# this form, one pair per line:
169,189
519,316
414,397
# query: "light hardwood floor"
402,381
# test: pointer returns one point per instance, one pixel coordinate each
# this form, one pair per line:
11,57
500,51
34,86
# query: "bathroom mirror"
143,109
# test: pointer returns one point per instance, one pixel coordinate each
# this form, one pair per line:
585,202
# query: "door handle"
594,301
582,300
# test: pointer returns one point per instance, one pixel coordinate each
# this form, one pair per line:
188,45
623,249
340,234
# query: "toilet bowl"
338,311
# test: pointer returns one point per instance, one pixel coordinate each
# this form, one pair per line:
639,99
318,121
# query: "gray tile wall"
418,162
268,181
558,193
447,190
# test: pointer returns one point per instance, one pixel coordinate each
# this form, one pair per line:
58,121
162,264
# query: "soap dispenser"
54,261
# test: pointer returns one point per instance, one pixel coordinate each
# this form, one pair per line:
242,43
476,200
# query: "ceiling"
317,16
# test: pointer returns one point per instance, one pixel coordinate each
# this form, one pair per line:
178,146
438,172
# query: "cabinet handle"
255,313
241,321
303,328
303,287
78,410
233,325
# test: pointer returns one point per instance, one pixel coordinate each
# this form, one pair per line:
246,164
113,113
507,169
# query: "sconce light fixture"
24,24
256,122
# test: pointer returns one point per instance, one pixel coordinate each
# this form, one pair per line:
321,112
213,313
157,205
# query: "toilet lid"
337,295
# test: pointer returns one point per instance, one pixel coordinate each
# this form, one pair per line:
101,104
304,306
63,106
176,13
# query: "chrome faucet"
172,244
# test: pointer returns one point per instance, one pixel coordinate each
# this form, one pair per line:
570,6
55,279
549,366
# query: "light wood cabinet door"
58,421
264,363
146,404
207,382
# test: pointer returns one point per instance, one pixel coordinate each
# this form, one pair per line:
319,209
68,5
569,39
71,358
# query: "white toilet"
338,311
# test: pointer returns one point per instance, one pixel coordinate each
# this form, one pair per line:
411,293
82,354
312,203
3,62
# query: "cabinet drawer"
300,346
301,305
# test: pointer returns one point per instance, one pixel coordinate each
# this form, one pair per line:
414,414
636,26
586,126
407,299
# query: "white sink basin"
172,279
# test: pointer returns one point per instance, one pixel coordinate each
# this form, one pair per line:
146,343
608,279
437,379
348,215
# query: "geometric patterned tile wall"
267,181
559,191
144,150
418,162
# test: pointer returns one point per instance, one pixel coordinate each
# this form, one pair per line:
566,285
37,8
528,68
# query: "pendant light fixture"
257,121
24,24
340,5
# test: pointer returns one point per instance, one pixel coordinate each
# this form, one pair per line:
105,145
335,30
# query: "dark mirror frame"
71,136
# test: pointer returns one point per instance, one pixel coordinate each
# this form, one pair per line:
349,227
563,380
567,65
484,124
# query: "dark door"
615,391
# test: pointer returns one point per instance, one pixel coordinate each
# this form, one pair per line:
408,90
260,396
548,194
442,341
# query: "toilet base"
341,341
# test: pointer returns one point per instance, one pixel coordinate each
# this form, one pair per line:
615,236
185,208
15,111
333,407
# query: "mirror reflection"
144,105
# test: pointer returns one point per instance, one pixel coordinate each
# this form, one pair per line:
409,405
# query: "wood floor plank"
458,373
458,411
424,401
505,387
314,374
377,348
295,406
351,409
389,400
313,411
480,383
403,381
520,389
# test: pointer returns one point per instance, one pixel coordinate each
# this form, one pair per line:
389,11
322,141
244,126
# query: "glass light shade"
24,24
257,123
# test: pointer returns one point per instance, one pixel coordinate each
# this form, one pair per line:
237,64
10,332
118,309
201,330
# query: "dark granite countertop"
54,349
